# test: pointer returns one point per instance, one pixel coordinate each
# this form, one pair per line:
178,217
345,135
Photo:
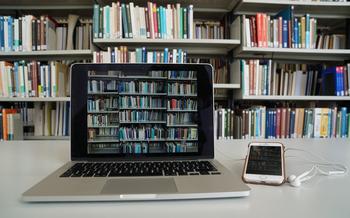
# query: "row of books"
182,89
283,122
220,67
33,79
93,133
140,116
182,133
98,86
176,147
208,30
182,104
280,31
122,54
11,125
181,118
264,77
121,20
140,87
102,104
102,120
141,102
30,33
142,133
38,119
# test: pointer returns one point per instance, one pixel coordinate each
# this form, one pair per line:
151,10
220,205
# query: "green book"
100,30
129,21
185,19
181,26
125,22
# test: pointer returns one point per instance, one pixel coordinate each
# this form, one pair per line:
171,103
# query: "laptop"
140,132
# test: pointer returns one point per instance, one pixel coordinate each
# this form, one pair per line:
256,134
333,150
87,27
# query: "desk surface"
22,164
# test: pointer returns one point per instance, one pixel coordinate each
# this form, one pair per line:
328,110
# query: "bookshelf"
34,99
294,98
47,55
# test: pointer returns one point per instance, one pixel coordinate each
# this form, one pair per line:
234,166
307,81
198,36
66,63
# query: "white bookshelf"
226,86
293,53
318,9
192,46
47,55
34,99
294,98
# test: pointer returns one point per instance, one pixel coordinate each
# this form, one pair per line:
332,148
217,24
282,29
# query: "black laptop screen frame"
79,95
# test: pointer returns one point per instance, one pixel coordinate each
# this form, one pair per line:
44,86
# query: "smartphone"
264,163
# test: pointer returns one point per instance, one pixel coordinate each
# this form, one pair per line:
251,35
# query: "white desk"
22,164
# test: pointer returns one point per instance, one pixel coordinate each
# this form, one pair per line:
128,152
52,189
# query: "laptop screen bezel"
78,116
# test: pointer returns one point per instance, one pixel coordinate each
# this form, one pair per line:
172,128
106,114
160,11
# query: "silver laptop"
140,132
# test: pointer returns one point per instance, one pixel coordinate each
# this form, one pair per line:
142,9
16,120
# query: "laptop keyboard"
156,168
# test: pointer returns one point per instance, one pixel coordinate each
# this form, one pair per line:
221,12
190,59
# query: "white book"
113,19
178,15
143,30
16,35
137,19
168,22
317,122
29,32
57,120
61,116
64,38
38,119
247,32
245,77
249,124
3,79
24,35
6,32
133,20
174,56
105,18
59,38
275,34
53,79
285,85
190,22
149,57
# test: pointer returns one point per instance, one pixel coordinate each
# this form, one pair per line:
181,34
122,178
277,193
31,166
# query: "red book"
252,31
259,27
5,112
155,20
263,30
278,123
289,34
283,122
280,31
148,31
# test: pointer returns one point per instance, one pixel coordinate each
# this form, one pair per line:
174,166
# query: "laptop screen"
143,110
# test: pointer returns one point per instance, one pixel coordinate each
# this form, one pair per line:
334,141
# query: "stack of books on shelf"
30,33
38,119
264,77
284,30
208,30
122,54
282,122
11,125
122,20
220,67
34,79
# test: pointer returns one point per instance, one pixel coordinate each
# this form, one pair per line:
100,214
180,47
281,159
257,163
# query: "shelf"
103,141
181,95
293,53
182,125
143,122
142,77
315,9
226,86
192,46
34,99
98,127
155,108
46,137
181,79
47,55
148,94
296,98
103,93
181,110
103,112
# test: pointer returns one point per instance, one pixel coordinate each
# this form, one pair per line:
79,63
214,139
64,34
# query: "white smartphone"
264,163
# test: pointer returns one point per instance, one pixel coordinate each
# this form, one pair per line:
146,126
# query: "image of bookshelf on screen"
265,77
286,30
142,112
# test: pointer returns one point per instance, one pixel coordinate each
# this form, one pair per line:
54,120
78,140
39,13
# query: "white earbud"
294,181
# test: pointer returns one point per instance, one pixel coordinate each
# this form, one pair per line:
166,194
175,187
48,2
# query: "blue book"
164,22
329,128
179,52
125,22
138,52
107,20
340,72
96,17
343,122
271,123
10,33
288,15
113,57
307,31
166,55
291,124
2,38
285,34
144,55
17,90
274,124
154,57
267,121
330,83
295,38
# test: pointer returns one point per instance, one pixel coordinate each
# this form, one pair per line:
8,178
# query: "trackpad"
139,186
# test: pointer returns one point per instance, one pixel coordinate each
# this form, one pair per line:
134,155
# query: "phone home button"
263,178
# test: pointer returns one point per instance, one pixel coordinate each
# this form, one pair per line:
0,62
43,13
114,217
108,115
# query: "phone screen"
265,160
